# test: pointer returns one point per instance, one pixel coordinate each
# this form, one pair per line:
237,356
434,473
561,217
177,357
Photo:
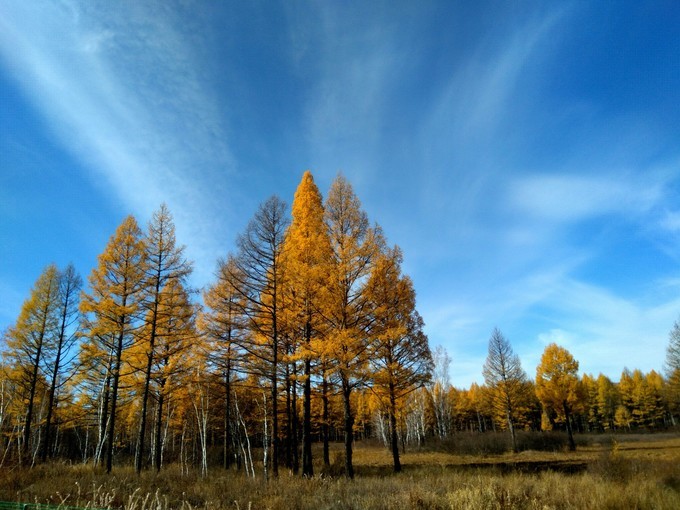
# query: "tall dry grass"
621,474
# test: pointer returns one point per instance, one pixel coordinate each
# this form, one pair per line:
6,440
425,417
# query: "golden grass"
631,472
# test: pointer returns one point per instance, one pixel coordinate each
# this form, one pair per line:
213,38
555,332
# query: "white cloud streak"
570,198
604,331
607,332
118,86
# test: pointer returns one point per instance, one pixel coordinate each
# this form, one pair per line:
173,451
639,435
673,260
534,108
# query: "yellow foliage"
557,383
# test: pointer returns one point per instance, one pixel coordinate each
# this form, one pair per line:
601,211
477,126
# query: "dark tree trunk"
55,375
275,410
567,418
511,426
103,423
289,421
307,467
324,425
226,447
139,452
349,427
393,430
296,424
114,402
158,445
31,399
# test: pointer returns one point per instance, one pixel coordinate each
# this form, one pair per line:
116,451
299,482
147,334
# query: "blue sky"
524,155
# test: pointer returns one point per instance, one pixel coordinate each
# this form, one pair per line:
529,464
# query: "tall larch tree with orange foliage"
30,341
165,264
607,400
175,347
221,321
111,307
557,384
307,255
70,284
258,275
399,352
355,247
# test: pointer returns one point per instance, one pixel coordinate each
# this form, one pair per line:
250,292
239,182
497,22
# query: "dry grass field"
627,472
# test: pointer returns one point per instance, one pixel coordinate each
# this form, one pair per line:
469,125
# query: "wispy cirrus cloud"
571,198
119,86
607,332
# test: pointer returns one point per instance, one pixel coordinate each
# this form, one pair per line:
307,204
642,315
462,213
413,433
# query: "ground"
623,471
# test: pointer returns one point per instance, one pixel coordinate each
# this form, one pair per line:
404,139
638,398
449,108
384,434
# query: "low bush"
542,441
474,443
497,443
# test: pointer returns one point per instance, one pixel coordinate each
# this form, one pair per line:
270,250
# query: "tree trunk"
511,426
29,411
139,453
53,385
158,446
104,418
394,438
289,421
227,418
567,418
34,383
324,424
349,427
275,411
307,467
296,424
114,402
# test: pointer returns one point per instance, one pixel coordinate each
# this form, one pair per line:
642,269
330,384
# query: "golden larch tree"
399,352
223,324
31,341
70,284
165,263
557,384
111,308
257,274
307,254
176,344
355,247
607,400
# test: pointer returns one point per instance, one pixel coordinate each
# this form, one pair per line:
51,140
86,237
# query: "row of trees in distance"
559,398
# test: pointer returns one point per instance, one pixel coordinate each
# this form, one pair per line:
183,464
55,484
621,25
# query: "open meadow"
625,471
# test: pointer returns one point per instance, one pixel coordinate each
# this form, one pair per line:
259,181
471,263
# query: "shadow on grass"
523,467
